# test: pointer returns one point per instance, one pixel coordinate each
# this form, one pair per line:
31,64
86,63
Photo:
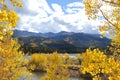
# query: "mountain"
84,40
61,42
19,33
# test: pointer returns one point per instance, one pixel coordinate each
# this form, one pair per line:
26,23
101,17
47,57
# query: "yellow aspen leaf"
1,37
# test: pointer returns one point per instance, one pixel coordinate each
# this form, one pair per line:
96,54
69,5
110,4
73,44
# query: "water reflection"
38,75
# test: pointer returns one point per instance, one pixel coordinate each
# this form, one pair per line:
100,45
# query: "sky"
55,16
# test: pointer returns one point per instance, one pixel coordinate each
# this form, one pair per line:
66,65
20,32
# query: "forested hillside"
62,42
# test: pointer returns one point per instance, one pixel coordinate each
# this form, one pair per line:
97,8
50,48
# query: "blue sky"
55,16
62,2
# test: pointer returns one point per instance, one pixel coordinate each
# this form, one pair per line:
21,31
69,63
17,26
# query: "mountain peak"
65,33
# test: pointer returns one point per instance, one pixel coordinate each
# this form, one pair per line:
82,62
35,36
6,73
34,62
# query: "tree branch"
106,18
112,3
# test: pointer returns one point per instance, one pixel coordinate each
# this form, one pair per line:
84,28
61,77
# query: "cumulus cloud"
76,4
39,16
57,8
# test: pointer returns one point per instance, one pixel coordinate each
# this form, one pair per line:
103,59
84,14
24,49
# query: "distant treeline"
42,49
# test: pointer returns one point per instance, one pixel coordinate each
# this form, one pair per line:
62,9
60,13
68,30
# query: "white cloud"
33,5
74,7
57,8
58,12
56,19
72,10
63,28
43,4
75,4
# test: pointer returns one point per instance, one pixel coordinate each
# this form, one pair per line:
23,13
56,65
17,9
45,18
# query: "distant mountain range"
19,33
61,42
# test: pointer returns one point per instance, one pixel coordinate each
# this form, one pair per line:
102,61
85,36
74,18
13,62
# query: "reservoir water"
38,75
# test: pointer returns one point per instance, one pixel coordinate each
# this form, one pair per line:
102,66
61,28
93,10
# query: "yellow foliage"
66,58
38,61
91,61
11,60
56,73
115,46
56,69
110,10
8,18
55,59
111,66
97,63
17,3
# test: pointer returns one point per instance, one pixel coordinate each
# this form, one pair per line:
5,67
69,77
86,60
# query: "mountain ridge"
20,33
62,41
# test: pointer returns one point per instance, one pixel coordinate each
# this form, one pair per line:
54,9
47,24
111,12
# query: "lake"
38,75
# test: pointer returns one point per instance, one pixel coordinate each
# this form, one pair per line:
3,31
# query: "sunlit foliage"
91,62
56,69
38,61
114,48
55,59
56,72
66,58
8,17
11,58
99,65
108,11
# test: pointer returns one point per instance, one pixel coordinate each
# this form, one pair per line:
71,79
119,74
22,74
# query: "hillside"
62,42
